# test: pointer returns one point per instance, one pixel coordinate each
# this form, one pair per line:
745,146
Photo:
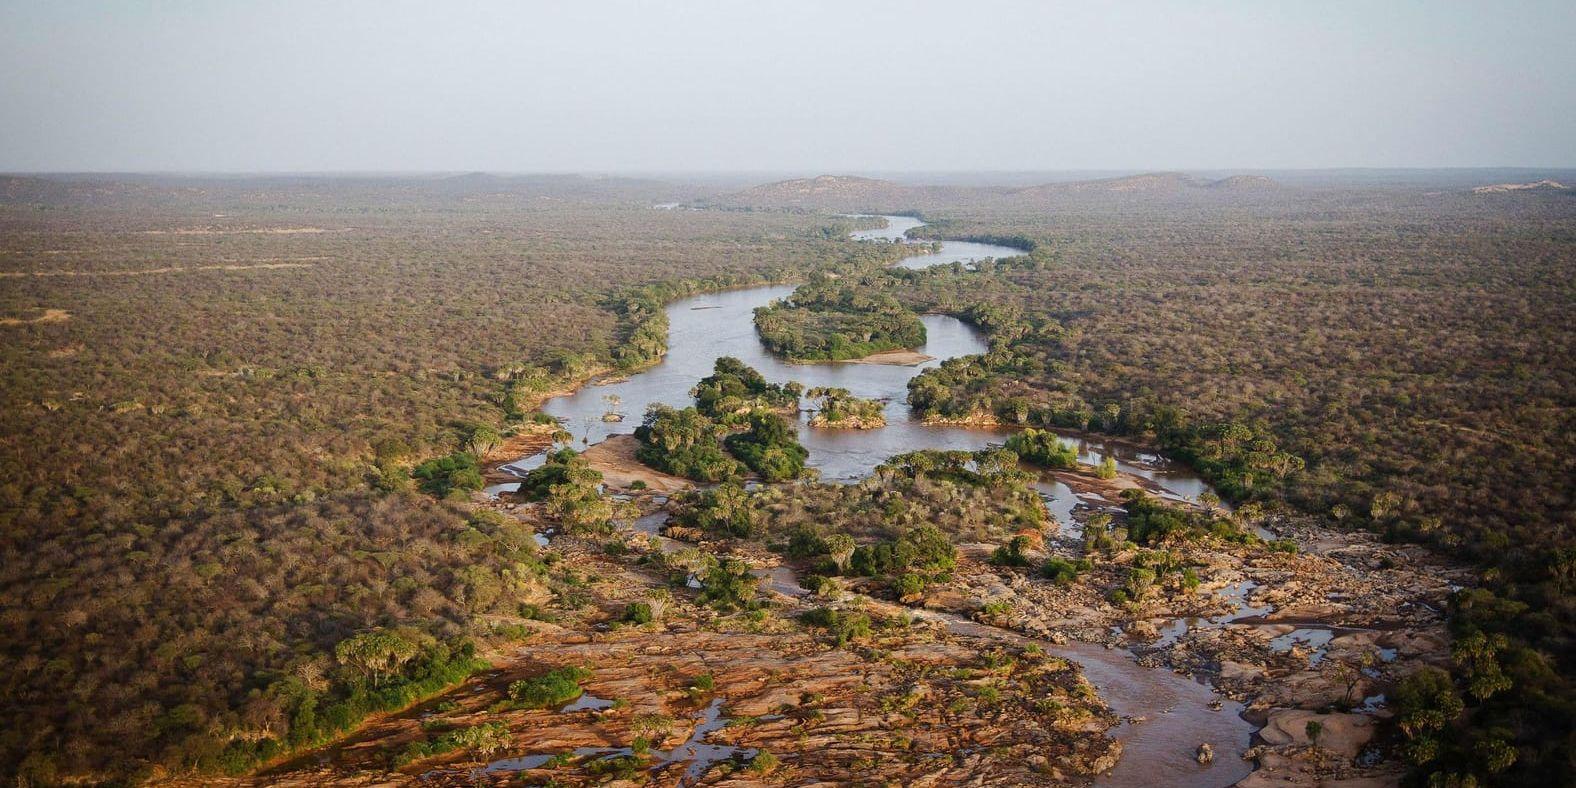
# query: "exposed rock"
1341,734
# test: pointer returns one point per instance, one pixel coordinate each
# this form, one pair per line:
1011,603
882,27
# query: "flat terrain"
215,392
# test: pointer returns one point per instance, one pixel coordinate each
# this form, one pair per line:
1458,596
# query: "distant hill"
141,189
1147,182
1499,188
830,192
1154,183
1245,182
854,193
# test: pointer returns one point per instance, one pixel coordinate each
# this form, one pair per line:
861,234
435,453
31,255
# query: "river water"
1175,710
706,327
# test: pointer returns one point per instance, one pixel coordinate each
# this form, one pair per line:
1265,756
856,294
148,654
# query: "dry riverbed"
911,703
1319,636
963,685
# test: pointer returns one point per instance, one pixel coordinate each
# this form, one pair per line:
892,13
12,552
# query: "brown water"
1175,710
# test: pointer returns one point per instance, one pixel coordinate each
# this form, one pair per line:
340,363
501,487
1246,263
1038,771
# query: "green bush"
770,448
685,443
1062,571
484,739
1011,553
736,388
549,689
842,626
1042,447
442,475
729,586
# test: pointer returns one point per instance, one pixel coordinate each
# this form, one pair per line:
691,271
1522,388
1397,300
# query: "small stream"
694,753
1167,715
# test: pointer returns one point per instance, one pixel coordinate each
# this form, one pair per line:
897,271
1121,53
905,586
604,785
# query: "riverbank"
709,693
614,458
1141,657
896,358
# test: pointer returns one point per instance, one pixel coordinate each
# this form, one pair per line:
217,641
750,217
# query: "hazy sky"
801,86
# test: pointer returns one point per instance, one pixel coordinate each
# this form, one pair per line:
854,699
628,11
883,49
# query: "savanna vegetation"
208,461
897,529
1392,358
232,519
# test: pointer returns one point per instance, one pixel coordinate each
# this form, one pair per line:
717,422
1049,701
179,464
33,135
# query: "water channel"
1167,715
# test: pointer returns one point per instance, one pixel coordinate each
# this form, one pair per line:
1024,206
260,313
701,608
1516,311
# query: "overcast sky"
801,86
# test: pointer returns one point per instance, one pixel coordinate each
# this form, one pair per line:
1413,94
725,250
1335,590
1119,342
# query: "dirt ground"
894,358
47,316
615,458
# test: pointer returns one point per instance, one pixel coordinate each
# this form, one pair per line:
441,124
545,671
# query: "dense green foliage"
833,320
728,585
770,447
837,407
725,511
553,688
843,626
304,713
572,493
689,442
735,389
443,475
1043,447
1152,521
484,739
1063,571
922,550
985,468
685,443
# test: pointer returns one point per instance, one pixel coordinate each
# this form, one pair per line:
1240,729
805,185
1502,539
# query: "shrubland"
208,462
1393,358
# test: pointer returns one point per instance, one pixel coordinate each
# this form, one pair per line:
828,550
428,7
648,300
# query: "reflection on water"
706,327
1166,716
1180,712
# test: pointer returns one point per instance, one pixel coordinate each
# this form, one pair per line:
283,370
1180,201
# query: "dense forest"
737,423
833,319
208,458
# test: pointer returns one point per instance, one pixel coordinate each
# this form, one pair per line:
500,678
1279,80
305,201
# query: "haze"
711,86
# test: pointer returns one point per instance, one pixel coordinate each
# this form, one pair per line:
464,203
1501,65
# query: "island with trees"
830,319
837,408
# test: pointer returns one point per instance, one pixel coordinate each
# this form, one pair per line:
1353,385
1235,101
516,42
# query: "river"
1175,710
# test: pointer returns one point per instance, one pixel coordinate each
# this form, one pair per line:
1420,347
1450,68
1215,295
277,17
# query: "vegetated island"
832,320
838,408
735,424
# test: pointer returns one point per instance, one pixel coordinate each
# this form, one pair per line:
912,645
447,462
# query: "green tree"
1428,703
1477,655
377,654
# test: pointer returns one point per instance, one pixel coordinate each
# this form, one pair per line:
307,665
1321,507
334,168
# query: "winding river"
1167,715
